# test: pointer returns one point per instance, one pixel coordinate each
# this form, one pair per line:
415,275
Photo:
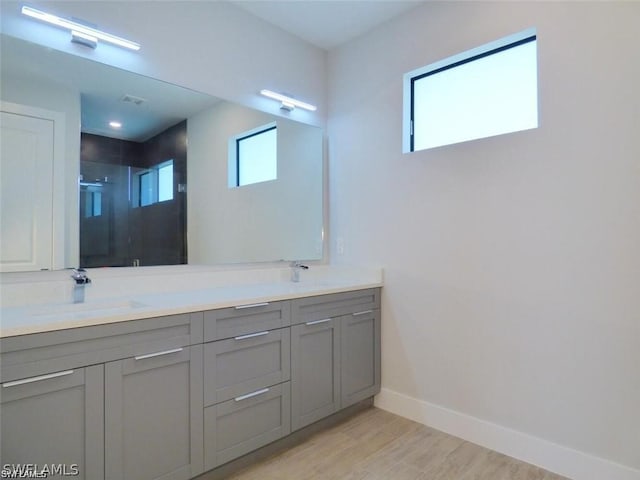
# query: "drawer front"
246,423
245,319
334,305
42,353
245,363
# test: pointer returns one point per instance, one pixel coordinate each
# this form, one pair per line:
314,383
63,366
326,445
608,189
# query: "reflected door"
26,192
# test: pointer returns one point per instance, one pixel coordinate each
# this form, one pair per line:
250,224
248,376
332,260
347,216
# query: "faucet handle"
297,264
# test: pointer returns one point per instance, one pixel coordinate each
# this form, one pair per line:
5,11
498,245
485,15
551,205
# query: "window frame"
234,154
468,56
153,173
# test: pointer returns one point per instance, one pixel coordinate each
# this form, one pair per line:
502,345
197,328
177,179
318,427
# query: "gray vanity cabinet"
168,398
335,353
55,419
79,397
153,416
315,370
360,356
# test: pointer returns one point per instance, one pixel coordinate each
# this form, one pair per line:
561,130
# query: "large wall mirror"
185,177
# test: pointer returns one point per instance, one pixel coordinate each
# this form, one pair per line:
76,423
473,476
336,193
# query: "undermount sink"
89,307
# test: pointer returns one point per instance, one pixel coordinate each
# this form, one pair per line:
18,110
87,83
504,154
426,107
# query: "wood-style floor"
377,445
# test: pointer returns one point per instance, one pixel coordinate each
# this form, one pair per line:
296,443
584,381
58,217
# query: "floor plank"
378,445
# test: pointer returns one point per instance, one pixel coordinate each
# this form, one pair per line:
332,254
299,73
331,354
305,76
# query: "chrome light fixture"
80,33
288,103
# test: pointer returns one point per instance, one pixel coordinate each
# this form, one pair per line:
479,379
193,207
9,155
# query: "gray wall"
511,263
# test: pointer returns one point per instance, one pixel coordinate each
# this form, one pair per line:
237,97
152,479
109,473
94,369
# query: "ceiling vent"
133,99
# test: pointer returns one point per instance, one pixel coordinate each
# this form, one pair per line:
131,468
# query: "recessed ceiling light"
115,124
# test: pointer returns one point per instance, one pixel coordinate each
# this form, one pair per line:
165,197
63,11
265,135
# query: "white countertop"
27,319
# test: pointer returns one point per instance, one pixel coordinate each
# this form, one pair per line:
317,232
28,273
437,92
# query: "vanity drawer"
334,305
41,353
246,423
245,319
245,363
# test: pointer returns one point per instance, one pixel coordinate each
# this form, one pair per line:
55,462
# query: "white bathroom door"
26,192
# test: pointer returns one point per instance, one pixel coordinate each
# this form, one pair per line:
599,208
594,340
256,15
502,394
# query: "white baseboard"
537,451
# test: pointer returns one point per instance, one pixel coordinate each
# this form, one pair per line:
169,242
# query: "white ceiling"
327,23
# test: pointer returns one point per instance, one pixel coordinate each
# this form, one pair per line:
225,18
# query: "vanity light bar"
288,103
79,29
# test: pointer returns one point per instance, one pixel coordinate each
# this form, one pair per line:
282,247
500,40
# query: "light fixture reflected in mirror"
288,103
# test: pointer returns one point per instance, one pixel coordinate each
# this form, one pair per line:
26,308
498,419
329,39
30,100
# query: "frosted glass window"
146,189
92,202
154,185
97,204
165,182
257,157
485,92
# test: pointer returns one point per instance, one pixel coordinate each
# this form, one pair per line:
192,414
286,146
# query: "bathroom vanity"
173,396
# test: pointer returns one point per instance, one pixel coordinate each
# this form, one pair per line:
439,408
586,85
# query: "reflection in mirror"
133,184
279,219
132,200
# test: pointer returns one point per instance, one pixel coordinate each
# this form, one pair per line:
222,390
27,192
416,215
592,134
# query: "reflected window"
165,182
92,202
153,185
255,156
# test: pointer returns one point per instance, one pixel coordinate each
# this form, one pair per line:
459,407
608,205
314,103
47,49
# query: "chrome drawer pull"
361,313
37,379
251,335
253,305
249,395
316,322
158,354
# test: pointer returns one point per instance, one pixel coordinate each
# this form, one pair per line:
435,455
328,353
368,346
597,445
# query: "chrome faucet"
79,275
296,267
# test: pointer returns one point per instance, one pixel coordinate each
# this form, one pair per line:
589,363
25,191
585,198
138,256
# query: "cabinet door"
154,416
55,420
360,337
315,371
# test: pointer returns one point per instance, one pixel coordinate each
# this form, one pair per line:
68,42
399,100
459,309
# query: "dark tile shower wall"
154,234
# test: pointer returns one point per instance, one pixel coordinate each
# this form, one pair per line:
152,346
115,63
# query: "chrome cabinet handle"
251,335
158,354
15,383
252,394
253,305
316,322
361,313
